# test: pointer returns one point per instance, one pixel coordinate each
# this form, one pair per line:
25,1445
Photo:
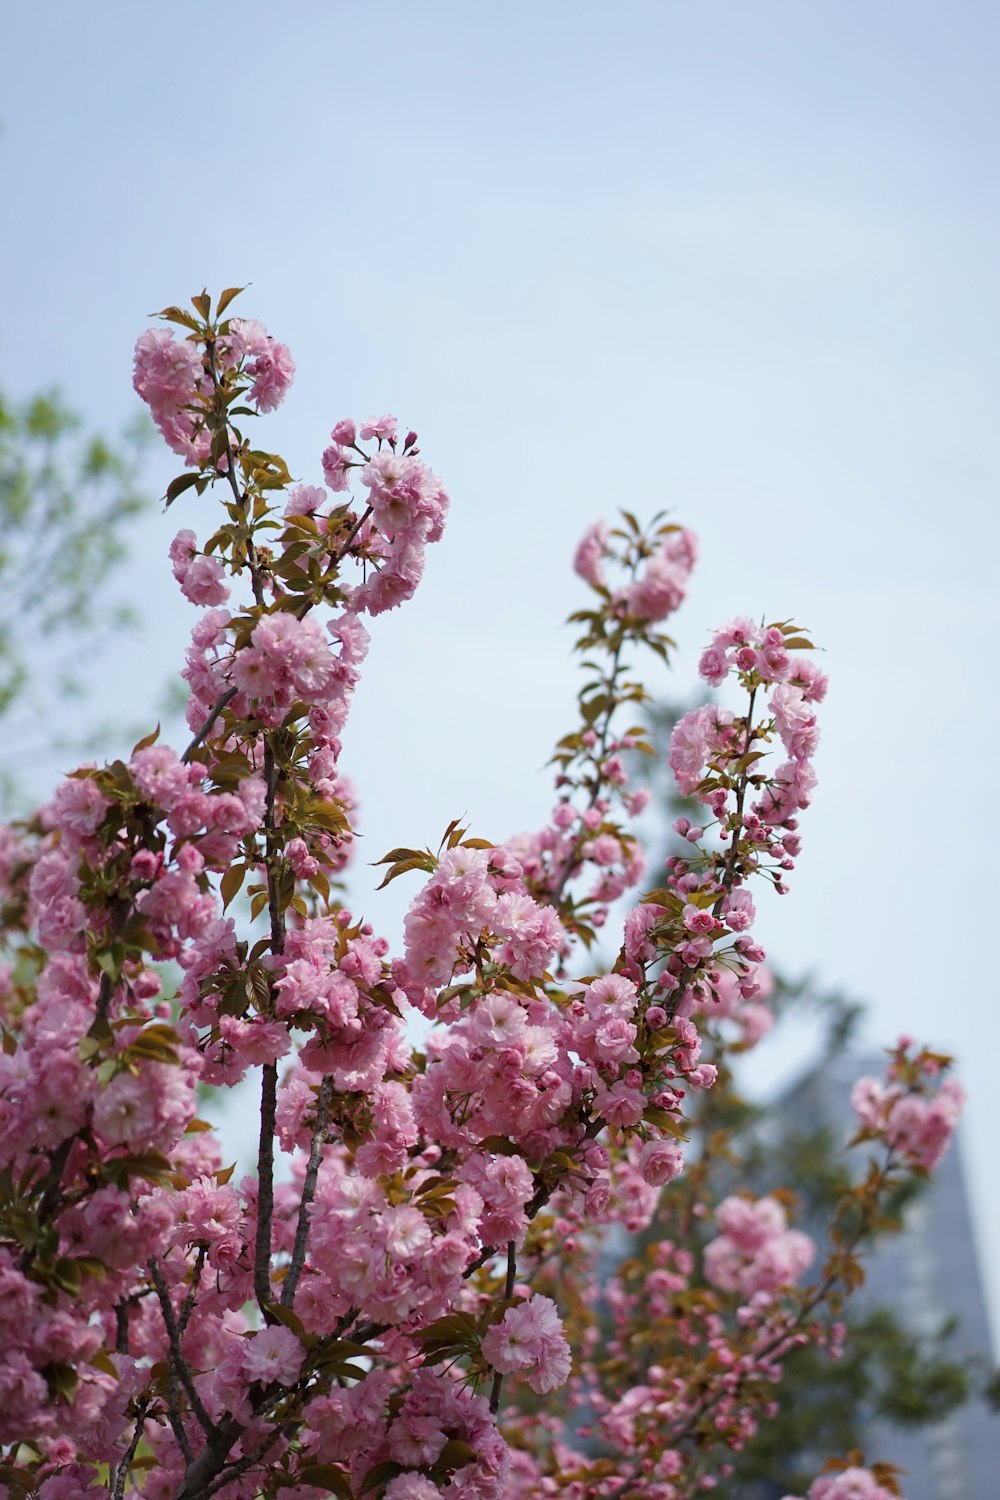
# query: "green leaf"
326,1477
150,739
499,1145
455,1454
456,1327
152,1047
403,868
380,1474
62,1380
231,882
179,485
90,1265
347,1349
178,315
290,1319
227,297
152,1165
342,1371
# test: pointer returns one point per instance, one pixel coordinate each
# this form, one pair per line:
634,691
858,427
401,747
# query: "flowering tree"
405,1305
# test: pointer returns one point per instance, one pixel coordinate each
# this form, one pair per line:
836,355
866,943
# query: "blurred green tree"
67,499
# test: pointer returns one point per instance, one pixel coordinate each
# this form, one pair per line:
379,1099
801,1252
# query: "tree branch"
508,1292
206,727
176,1356
308,1192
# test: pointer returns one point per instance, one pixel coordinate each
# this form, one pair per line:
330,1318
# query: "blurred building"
925,1275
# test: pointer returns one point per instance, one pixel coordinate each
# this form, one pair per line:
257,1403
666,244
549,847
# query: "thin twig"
206,727
346,547
174,1415
189,1300
265,1188
177,1357
269,1073
119,1471
308,1192
508,1292
121,1328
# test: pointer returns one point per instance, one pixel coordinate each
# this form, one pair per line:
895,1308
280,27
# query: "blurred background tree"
67,500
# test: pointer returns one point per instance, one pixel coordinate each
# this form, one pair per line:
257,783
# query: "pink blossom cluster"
250,351
170,376
849,1484
176,382
406,509
529,1341
659,584
759,657
472,891
578,841
199,575
691,1363
589,831
742,1000
914,1109
365,1427
756,1253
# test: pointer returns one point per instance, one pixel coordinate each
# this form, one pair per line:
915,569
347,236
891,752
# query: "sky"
736,261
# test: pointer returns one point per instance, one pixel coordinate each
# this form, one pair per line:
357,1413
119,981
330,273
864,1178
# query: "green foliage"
66,498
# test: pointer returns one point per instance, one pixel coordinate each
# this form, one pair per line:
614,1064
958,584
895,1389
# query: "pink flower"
713,665
689,747
612,994
345,432
590,553
848,1484
795,721
125,1112
613,1041
660,1162
170,377
378,427
268,364
80,807
411,1487
304,500
273,1354
199,576
337,464
530,1338
757,1253
738,910
160,776
659,590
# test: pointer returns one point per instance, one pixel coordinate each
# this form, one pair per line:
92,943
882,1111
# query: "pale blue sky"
736,259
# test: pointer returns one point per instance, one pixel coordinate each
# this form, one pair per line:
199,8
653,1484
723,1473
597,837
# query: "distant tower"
925,1275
